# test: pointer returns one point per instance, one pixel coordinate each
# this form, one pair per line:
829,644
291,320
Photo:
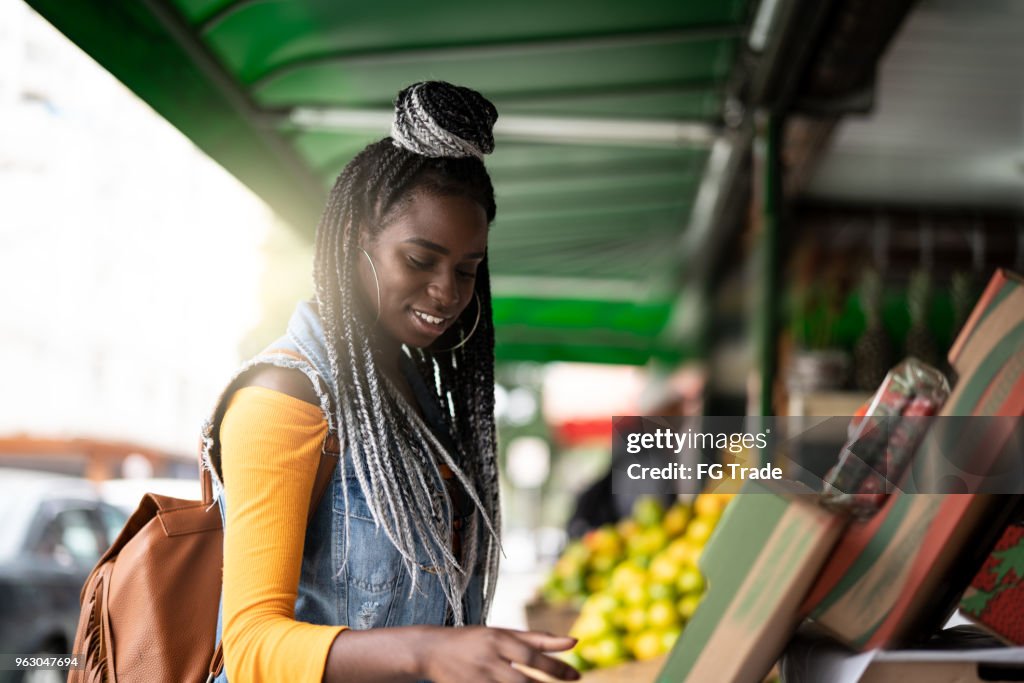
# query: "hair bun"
438,119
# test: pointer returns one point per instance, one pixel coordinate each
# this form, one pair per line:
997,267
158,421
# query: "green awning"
608,110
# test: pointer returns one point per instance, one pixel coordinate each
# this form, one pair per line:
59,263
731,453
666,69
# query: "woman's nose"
444,290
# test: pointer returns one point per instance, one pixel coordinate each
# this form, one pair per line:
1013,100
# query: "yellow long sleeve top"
270,447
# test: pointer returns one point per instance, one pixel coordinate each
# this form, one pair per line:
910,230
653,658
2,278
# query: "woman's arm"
444,655
270,447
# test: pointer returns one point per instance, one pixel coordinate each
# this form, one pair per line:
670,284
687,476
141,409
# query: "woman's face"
426,260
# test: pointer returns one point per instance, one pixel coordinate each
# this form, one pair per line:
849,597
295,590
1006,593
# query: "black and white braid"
437,119
439,136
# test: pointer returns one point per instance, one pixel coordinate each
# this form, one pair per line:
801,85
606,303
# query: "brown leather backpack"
149,607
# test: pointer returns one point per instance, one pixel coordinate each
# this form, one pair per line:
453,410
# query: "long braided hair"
437,142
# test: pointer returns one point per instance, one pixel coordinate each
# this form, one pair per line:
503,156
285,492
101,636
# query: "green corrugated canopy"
608,110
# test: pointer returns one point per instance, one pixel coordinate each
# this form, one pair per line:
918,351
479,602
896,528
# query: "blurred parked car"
126,493
54,528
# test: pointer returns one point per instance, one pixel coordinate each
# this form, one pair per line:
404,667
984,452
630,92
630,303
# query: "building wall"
129,261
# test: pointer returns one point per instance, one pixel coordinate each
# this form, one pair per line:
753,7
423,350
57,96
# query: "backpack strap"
330,454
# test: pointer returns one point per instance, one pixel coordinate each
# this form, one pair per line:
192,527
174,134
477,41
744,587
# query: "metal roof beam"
609,182
511,49
552,129
618,166
614,168
587,92
583,288
589,219
595,336
700,243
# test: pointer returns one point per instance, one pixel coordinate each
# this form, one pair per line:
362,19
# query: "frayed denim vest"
372,589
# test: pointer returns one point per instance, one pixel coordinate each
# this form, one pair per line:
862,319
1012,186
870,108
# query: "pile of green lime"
637,583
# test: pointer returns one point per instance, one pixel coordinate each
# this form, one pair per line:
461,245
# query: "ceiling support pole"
768,169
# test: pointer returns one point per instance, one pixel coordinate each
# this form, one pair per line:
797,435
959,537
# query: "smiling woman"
394,360
423,267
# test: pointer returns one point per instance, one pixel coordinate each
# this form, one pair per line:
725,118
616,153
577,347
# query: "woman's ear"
367,235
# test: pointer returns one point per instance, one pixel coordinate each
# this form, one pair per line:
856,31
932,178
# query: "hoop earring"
376,282
476,322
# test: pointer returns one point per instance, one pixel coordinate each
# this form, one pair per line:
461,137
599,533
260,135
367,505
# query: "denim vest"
372,589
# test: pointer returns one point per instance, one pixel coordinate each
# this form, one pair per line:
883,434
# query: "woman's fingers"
525,649
546,642
497,656
543,676
512,674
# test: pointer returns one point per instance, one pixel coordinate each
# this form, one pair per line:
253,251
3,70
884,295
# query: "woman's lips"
430,322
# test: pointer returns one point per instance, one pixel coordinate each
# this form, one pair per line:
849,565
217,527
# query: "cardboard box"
900,573
632,672
814,660
995,598
543,616
988,354
886,572
929,672
760,562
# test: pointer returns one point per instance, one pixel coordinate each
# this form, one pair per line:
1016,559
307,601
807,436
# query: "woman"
395,357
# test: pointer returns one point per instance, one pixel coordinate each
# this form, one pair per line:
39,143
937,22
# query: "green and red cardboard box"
760,562
995,598
777,557
887,577
989,353
901,570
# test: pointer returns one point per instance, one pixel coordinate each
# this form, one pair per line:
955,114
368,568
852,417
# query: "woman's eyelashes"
420,265
417,264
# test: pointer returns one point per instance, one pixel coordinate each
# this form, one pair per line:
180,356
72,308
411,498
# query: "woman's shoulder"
290,381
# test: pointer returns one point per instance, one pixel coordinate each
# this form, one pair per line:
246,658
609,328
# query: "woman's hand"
469,654
478,653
